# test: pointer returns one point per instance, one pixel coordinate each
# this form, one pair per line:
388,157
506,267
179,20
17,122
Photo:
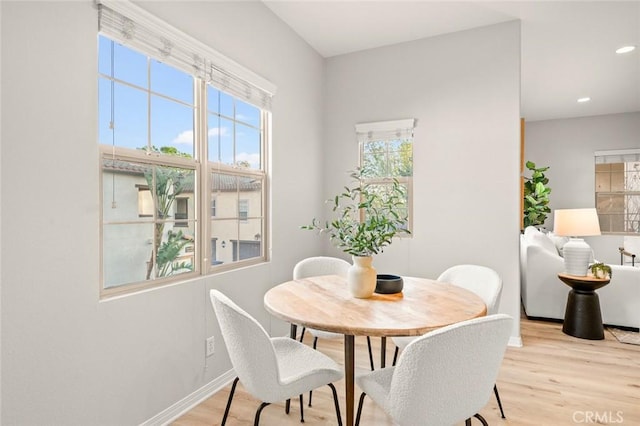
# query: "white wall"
567,146
464,91
68,358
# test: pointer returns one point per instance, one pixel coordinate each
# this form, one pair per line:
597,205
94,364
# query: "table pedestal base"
582,316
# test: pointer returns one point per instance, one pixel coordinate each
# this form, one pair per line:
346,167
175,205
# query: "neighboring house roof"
124,166
221,182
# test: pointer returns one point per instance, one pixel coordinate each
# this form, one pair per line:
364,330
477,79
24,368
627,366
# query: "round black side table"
582,316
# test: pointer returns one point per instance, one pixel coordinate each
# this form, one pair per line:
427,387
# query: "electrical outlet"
210,347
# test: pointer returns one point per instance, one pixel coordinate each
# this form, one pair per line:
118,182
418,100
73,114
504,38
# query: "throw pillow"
558,241
529,231
542,240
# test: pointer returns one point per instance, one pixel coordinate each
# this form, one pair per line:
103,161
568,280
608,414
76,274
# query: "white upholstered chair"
442,377
271,368
481,280
315,266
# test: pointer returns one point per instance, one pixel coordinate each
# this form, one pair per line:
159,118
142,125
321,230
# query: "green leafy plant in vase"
367,216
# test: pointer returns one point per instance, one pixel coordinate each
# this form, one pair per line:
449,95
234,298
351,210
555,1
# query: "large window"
386,154
618,191
183,160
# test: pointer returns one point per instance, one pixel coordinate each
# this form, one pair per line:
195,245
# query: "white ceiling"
568,47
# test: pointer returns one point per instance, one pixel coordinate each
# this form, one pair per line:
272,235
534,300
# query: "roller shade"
385,130
134,27
617,156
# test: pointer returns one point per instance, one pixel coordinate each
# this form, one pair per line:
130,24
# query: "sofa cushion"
542,240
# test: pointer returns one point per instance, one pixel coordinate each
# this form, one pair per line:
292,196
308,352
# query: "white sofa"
545,296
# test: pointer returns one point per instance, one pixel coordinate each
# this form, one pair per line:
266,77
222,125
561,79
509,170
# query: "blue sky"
171,106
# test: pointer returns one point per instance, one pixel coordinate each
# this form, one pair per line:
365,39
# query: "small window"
617,194
243,209
145,202
386,154
182,212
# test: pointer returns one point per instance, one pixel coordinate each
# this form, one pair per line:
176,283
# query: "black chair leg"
287,405
315,344
482,420
301,410
359,412
360,408
256,422
336,403
395,355
479,417
226,410
495,390
370,353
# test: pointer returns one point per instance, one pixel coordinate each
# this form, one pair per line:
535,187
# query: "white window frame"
387,131
207,66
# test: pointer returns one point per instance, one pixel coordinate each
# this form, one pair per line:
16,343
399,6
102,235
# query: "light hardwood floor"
554,379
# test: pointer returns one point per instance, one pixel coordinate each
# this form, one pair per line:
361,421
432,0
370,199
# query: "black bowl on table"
388,284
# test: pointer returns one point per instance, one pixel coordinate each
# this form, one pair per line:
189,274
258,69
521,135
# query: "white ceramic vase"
576,255
361,277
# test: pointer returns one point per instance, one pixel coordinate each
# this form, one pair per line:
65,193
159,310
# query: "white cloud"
253,159
185,137
218,131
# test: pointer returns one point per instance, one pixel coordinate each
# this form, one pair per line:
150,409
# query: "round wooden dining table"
324,303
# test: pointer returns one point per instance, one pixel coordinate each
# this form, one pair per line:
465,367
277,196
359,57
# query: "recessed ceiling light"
625,49
585,99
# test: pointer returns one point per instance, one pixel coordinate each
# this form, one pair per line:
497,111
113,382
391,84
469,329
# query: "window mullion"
148,90
203,193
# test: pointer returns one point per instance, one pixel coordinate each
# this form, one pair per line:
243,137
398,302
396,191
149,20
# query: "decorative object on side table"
582,317
575,223
389,284
368,216
600,270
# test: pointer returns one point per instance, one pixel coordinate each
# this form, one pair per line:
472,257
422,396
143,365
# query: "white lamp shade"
576,223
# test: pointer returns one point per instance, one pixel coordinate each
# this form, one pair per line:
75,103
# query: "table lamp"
575,223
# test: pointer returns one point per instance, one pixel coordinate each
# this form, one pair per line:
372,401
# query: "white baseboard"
515,341
187,403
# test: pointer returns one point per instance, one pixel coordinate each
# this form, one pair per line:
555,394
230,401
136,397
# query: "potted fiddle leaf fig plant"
367,216
536,196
